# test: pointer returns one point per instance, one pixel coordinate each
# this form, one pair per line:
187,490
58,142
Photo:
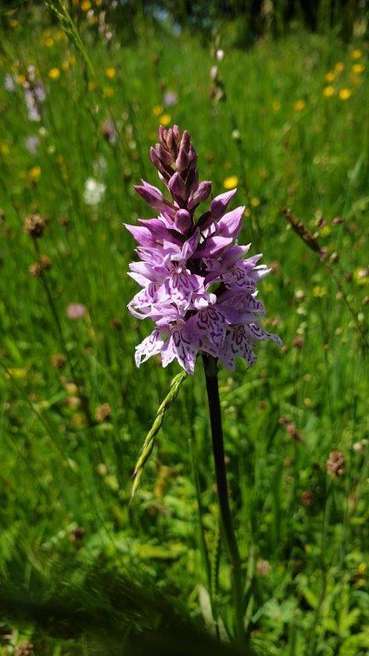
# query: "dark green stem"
211,375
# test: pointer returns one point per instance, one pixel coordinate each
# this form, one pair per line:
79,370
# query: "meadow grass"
66,462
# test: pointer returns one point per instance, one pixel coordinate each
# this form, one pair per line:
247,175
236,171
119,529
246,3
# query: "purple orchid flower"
197,286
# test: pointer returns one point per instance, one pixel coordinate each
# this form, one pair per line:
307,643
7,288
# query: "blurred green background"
284,117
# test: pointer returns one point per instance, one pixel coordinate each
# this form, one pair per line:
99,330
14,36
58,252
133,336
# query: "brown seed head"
71,388
73,402
58,360
34,225
43,264
263,567
298,342
77,534
307,498
35,269
116,323
303,232
290,428
103,412
335,464
24,649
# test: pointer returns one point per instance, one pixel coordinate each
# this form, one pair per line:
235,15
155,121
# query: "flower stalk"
211,376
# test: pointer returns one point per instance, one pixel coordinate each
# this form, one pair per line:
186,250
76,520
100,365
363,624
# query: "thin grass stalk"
311,242
150,439
313,646
61,11
211,375
54,312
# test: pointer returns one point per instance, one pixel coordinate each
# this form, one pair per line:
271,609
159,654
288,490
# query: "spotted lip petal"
198,287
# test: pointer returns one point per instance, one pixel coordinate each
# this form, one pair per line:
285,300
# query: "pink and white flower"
197,286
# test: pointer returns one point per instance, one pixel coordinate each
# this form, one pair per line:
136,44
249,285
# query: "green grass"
59,469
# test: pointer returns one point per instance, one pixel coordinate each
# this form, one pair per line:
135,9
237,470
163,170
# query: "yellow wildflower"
358,68
54,73
85,5
108,92
48,41
110,72
344,94
4,149
68,62
328,91
165,120
157,110
78,420
339,67
20,79
356,54
34,173
231,182
299,105
255,201
330,76
319,292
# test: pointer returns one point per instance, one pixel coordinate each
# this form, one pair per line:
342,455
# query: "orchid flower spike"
197,286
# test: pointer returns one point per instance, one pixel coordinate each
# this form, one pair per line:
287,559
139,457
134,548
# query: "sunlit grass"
74,410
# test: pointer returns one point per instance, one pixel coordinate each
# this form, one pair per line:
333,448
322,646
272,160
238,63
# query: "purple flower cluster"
197,286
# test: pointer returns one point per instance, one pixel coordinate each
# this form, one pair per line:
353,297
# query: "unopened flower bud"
201,193
220,203
177,187
151,195
182,160
183,221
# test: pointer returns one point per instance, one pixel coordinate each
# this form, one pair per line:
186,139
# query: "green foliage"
74,411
